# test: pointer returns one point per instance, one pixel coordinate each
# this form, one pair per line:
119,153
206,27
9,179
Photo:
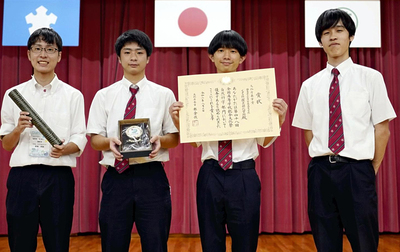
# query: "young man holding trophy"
129,122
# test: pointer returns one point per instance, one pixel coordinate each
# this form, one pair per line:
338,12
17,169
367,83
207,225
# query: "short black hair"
228,39
47,35
330,18
137,36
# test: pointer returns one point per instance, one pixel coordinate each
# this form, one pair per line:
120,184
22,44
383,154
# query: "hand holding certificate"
221,106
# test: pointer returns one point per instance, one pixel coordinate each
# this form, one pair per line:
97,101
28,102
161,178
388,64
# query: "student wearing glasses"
40,183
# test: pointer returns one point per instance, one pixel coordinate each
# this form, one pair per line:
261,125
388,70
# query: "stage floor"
191,243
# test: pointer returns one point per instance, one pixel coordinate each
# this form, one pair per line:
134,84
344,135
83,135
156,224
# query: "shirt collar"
342,67
52,85
127,84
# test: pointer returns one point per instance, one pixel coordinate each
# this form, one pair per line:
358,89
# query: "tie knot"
335,72
134,89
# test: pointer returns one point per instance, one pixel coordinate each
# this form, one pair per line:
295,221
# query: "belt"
336,159
246,164
140,165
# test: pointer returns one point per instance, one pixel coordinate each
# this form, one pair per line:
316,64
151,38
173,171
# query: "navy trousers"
140,195
40,195
228,199
342,195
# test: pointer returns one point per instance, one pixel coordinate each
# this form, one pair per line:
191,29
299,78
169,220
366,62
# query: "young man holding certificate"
135,190
40,183
228,187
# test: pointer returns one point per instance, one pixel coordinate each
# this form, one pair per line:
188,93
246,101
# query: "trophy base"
135,154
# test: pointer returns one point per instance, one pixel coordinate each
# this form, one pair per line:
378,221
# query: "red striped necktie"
130,112
336,136
225,154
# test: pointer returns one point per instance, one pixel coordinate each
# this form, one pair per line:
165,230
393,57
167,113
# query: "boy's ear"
59,56
211,57
242,58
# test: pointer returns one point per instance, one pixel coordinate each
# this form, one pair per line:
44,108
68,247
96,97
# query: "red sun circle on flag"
192,21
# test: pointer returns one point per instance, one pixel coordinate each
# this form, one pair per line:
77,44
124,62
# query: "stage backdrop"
274,30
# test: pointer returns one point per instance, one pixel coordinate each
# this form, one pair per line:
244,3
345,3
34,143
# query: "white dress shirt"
108,107
60,106
364,103
242,149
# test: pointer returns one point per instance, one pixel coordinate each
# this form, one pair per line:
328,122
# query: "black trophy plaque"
135,137
40,124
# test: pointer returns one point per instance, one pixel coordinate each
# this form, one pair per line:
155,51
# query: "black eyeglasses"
48,50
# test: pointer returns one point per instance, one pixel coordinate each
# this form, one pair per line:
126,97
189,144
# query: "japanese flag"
190,23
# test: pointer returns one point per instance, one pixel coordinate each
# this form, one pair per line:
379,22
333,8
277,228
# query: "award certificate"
227,106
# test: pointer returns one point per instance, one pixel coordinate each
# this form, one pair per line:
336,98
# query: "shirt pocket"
357,104
60,122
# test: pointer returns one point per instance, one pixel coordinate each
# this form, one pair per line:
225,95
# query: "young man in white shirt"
141,193
40,183
346,138
229,196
